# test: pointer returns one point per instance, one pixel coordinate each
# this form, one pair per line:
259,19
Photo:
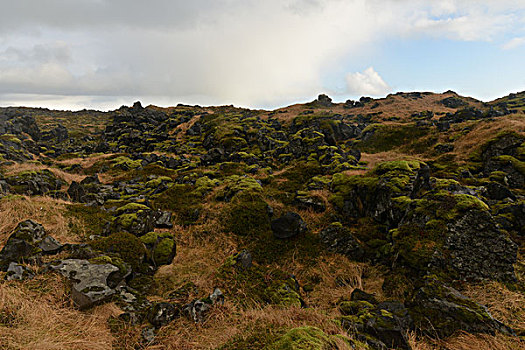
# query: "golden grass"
85,162
225,322
44,210
19,167
484,131
466,341
38,315
197,260
505,305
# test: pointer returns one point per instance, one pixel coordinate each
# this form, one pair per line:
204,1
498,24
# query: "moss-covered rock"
161,247
439,310
247,216
258,284
130,248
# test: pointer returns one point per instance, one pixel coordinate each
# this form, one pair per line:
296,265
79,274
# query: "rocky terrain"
371,224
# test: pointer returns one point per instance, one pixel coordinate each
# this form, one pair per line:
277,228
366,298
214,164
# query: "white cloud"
369,82
246,52
513,43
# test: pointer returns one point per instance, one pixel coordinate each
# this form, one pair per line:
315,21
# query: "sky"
101,54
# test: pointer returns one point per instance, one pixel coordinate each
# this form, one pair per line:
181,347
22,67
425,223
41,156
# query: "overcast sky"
72,54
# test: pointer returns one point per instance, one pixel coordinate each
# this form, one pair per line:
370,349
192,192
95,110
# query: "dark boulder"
422,181
443,125
339,239
361,295
76,192
478,249
453,102
22,244
289,225
497,191
382,326
440,311
324,101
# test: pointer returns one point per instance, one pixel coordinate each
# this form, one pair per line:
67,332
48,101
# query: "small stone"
18,272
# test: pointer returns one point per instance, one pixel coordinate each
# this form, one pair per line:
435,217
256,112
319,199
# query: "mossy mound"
381,138
161,247
305,338
248,217
236,184
258,284
130,248
439,310
92,219
182,200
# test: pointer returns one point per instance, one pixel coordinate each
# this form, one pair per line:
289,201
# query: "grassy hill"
371,224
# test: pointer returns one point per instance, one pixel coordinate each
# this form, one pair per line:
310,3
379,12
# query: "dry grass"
484,131
44,210
505,305
85,162
372,159
466,341
225,322
200,252
19,167
38,315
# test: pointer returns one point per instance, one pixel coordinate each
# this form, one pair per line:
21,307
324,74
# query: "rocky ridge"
288,186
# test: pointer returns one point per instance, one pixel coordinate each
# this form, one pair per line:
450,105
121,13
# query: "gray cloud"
247,52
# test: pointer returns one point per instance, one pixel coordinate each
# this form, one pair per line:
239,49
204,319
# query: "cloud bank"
246,52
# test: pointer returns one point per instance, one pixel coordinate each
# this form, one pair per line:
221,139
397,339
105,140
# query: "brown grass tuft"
44,210
38,315
19,167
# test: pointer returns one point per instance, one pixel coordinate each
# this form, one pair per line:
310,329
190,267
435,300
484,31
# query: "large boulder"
91,283
28,241
478,249
34,183
289,225
438,310
339,239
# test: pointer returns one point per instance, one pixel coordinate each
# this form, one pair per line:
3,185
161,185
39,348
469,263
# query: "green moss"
115,261
132,207
238,184
160,246
126,245
304,338
258,284
397,166
154,183
182,200
125,163
248,216
465,202
91,219
125,221
388,137
354,307
516,164
10,138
